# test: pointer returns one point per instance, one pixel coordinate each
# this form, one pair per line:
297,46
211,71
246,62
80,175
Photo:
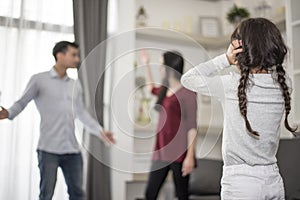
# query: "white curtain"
28,31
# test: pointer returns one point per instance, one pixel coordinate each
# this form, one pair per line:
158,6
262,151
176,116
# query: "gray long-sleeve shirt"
265,109
59,102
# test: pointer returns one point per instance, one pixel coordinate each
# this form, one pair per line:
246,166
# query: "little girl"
253,101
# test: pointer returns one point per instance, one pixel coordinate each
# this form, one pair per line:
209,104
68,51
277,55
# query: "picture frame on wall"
210,26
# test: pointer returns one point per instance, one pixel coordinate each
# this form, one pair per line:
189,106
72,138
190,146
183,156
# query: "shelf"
167,35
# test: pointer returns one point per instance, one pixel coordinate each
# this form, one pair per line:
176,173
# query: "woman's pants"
157,176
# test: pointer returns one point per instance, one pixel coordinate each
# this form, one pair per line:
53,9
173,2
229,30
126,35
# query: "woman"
175,140
254,101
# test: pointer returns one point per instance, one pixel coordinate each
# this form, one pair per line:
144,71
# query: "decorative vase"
141,17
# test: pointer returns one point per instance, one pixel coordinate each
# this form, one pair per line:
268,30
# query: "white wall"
179,12
208,145
165,14
193,55
122,85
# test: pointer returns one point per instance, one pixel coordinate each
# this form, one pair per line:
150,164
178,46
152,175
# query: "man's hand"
234,48
107,138
188,165
3,113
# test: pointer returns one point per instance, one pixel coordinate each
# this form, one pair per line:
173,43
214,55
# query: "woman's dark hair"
62,47
173,63
263,48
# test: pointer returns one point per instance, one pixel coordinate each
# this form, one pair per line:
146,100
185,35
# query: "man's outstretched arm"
30,93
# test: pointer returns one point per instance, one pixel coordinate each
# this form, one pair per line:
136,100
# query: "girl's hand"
234,48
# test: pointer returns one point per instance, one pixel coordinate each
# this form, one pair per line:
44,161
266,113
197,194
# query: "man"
56,97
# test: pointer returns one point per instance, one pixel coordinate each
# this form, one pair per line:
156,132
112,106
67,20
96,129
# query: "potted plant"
237,14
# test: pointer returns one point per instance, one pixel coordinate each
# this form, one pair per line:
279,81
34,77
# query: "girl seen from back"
254,102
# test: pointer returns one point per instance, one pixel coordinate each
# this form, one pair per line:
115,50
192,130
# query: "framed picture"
210,26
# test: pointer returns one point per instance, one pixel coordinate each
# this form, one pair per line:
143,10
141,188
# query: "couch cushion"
289,166
206,178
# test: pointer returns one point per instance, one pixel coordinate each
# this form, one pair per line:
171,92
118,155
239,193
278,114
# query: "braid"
242,96
286,95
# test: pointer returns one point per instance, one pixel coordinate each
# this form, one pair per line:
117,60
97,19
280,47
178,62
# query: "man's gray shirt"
59,101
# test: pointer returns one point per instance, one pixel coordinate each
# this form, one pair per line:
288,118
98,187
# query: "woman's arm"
189,161
149,78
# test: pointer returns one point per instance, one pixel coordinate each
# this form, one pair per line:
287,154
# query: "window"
28,31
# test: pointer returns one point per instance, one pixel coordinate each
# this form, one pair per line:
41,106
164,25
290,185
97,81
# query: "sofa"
288,158
205,180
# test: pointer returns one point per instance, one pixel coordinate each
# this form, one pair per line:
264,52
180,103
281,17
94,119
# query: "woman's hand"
188,165
144,57
234,48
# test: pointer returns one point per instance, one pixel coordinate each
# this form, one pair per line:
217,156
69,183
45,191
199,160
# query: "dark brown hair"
263,48
173,62
62,47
